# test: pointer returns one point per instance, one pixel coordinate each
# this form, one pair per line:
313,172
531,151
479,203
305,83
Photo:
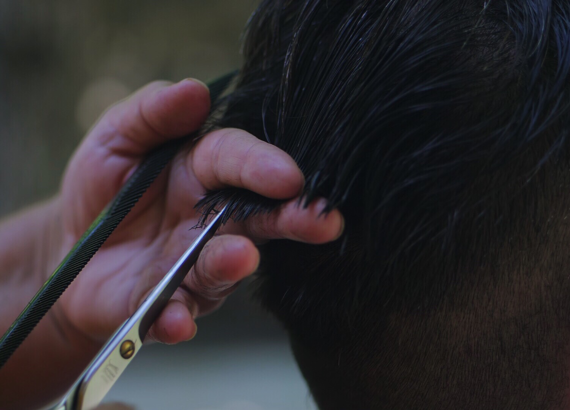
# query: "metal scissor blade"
115,356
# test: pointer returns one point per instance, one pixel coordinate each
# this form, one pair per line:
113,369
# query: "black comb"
96,235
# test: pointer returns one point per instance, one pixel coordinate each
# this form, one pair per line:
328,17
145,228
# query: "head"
439,129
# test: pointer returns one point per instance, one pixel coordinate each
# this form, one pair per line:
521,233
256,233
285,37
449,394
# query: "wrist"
31,247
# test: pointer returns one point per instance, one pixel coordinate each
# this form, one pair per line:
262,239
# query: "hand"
158,229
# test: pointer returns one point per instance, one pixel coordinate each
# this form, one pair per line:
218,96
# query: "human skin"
148,241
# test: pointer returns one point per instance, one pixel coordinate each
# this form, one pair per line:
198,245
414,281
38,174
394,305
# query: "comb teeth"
95,237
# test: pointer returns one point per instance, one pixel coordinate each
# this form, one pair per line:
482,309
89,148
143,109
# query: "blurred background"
61,64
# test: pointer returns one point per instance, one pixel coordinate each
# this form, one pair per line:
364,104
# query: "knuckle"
225,157
205,281
202,265
204,159
250,165
265,226
290,228
201,280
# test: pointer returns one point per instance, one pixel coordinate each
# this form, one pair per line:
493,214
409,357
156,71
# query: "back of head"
439,129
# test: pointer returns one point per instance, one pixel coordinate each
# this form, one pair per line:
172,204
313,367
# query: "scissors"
102,373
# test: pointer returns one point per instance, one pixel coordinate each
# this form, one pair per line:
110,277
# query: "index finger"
232,157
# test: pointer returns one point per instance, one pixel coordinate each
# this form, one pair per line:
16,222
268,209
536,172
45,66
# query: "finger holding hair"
235,158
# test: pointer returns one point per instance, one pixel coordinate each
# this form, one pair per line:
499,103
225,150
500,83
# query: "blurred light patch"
96,98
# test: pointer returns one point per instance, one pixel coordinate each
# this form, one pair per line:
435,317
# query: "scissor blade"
116,355
159,297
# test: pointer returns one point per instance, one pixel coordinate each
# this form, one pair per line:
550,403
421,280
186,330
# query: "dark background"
61,64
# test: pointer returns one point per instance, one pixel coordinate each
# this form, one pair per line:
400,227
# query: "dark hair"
439,129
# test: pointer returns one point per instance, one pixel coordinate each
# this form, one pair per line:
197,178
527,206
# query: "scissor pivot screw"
127,349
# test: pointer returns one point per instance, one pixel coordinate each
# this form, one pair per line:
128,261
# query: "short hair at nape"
439,128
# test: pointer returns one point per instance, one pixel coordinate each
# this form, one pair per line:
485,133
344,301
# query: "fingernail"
199,82
322,205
